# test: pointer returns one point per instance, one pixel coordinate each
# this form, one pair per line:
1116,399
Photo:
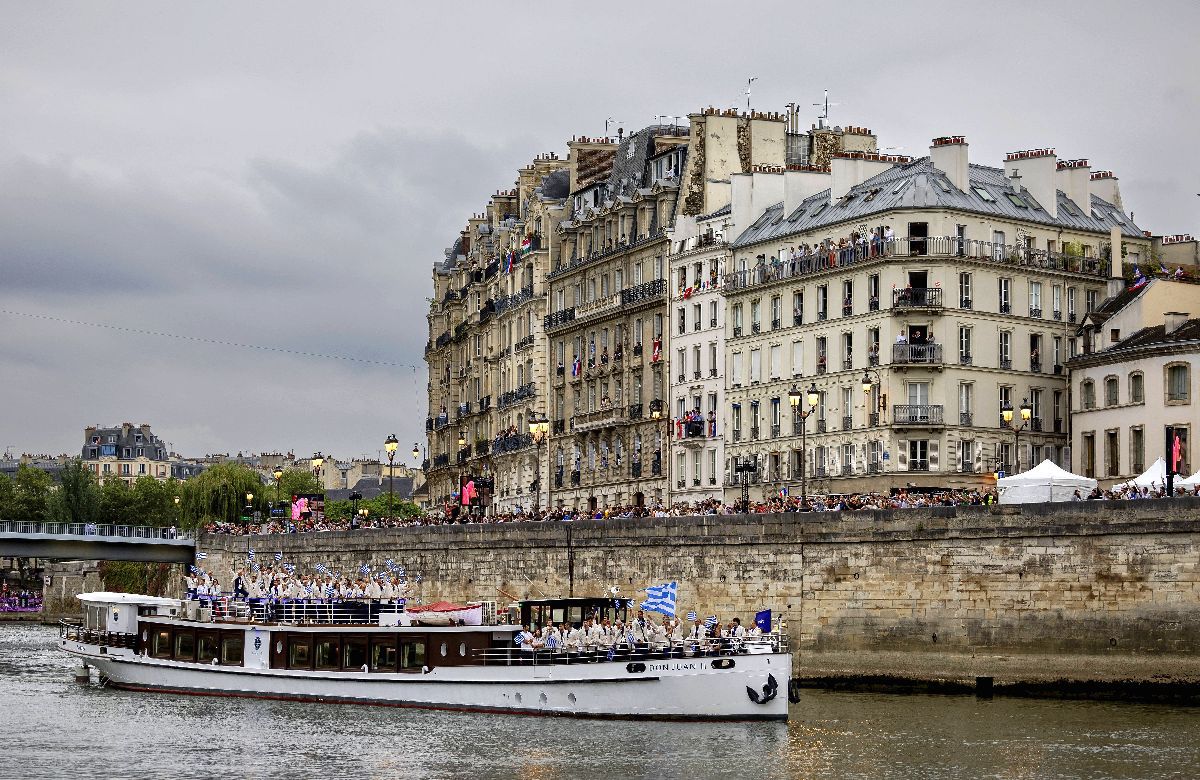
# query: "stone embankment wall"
1111,578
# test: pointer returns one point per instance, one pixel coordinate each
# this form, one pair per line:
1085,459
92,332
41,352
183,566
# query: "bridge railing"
96,529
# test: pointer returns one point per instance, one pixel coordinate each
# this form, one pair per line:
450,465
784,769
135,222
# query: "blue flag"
661,598
250,553
691,615
710,621
278,556
763,621
201,556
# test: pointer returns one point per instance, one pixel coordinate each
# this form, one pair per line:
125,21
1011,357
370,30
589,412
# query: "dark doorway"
639,499
917,233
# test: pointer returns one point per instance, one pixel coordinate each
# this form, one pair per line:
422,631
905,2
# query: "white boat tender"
368,654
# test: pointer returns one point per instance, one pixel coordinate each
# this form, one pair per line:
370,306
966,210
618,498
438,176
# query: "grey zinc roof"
724,211
919,185
629,169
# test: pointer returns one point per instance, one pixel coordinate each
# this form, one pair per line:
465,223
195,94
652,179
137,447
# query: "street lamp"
794,398
391,443
416,452
249,504
176,510
539,427
1006,412
462,438
317,460
746,465
278,474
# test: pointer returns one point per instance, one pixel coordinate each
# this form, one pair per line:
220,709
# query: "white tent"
1044,482
1190,482
1154,477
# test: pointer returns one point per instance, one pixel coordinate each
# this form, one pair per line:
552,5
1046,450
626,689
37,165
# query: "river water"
52,727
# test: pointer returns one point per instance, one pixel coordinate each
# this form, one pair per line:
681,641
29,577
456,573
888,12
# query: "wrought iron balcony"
929,354
917,414
559,318
1035,313
847,422
918,465
966,418
917,298
821,426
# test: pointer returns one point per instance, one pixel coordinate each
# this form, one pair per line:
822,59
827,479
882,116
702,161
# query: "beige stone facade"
971,304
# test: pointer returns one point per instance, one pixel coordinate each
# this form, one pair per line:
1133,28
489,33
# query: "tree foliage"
77,499
218,494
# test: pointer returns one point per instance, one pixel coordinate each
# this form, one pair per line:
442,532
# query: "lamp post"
1006,411
249,504
539,427
391,443
278,474
794,398
176,510
317,460
746,465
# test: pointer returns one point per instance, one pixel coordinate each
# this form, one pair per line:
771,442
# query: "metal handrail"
170,533
623,652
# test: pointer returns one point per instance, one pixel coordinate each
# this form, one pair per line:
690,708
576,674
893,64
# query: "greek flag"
289,568
194,570
364,569
328,591
552,642
418,578
320,568
710,621
661,598
278,556
254,567
519,639
250,554
612,651
389,564
201,556
691,616
400,569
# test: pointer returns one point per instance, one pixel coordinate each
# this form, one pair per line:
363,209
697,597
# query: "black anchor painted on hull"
769,691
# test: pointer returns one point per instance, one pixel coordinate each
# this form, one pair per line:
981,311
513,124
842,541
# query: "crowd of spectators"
19,599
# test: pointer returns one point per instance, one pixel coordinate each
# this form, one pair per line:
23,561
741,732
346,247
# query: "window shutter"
902,454
979,459
958,457
933,456
1027,456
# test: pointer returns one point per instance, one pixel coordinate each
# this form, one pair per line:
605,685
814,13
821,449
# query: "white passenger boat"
377,654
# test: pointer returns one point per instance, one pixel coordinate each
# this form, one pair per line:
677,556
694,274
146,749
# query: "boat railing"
285,611
623,652
74,631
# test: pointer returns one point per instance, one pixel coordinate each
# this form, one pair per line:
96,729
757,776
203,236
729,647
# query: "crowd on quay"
454,515
19,599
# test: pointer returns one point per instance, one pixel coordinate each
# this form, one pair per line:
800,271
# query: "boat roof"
105,597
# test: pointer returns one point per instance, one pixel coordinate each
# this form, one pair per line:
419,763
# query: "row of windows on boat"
382,652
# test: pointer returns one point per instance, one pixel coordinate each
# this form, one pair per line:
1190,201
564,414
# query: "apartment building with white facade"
914,344
1133,376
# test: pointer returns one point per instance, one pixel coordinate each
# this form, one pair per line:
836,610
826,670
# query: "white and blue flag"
365,569
661,598
320,567
278,556
691,616
710,621
201,556
250,554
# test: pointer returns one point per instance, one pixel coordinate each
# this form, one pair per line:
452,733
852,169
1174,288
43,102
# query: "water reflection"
50,724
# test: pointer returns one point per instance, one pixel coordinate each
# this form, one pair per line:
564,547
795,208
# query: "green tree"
31,495
296,481
77,499
154,501
116,503
8,498
218,494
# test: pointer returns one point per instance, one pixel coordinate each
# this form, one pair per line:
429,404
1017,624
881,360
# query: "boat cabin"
541,612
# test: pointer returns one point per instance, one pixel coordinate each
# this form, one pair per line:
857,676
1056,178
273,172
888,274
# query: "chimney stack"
1173,321
800,183
1105,186
949,155
1075,180
848,169
1036,168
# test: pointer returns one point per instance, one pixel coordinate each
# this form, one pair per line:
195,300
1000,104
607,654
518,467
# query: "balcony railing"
653,290
1035,366
847,422
564,266
524,343
966,419
915,464
917,414
917,298
600,418
1035,313
513,396
821,426
929,246
964,359
599,307
1006,364
514,300
559,318
930,354
754,433
506,444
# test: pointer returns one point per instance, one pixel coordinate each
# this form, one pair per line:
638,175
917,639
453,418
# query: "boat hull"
753,688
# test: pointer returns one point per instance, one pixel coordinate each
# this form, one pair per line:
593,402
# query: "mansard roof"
918,185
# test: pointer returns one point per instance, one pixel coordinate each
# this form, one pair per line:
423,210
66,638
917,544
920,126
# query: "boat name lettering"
673,667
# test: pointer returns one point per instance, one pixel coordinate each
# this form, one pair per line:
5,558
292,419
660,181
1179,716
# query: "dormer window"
984,194
1016,200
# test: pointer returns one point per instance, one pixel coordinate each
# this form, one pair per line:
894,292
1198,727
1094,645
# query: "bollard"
83,675
983,687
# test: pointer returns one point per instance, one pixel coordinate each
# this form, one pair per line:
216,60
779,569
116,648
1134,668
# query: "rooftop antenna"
749,81
823,119
609,121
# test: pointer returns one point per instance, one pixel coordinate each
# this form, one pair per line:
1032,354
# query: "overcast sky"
285,174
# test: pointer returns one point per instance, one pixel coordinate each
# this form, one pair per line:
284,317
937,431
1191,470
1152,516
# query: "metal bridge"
92,542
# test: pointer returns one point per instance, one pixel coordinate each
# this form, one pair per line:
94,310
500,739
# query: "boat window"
161,644
576,615
326,653
299,652
443,649
383,654
209,647
558,615
355,653
462,649
185,646
232,649
412,655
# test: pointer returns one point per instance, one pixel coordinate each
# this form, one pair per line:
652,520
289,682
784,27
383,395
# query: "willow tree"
218,494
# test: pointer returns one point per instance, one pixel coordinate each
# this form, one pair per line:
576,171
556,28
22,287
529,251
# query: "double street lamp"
317,460
1006,412
391,444
539,429
278,474
813,398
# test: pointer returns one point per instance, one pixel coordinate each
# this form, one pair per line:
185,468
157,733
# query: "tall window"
1005,349
1111,394
735,370
756,365
776,356
1136,390
964,290
1137,449
964,345
797,358
1005,291
1087,394
1112,454
1035,299
1178,383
